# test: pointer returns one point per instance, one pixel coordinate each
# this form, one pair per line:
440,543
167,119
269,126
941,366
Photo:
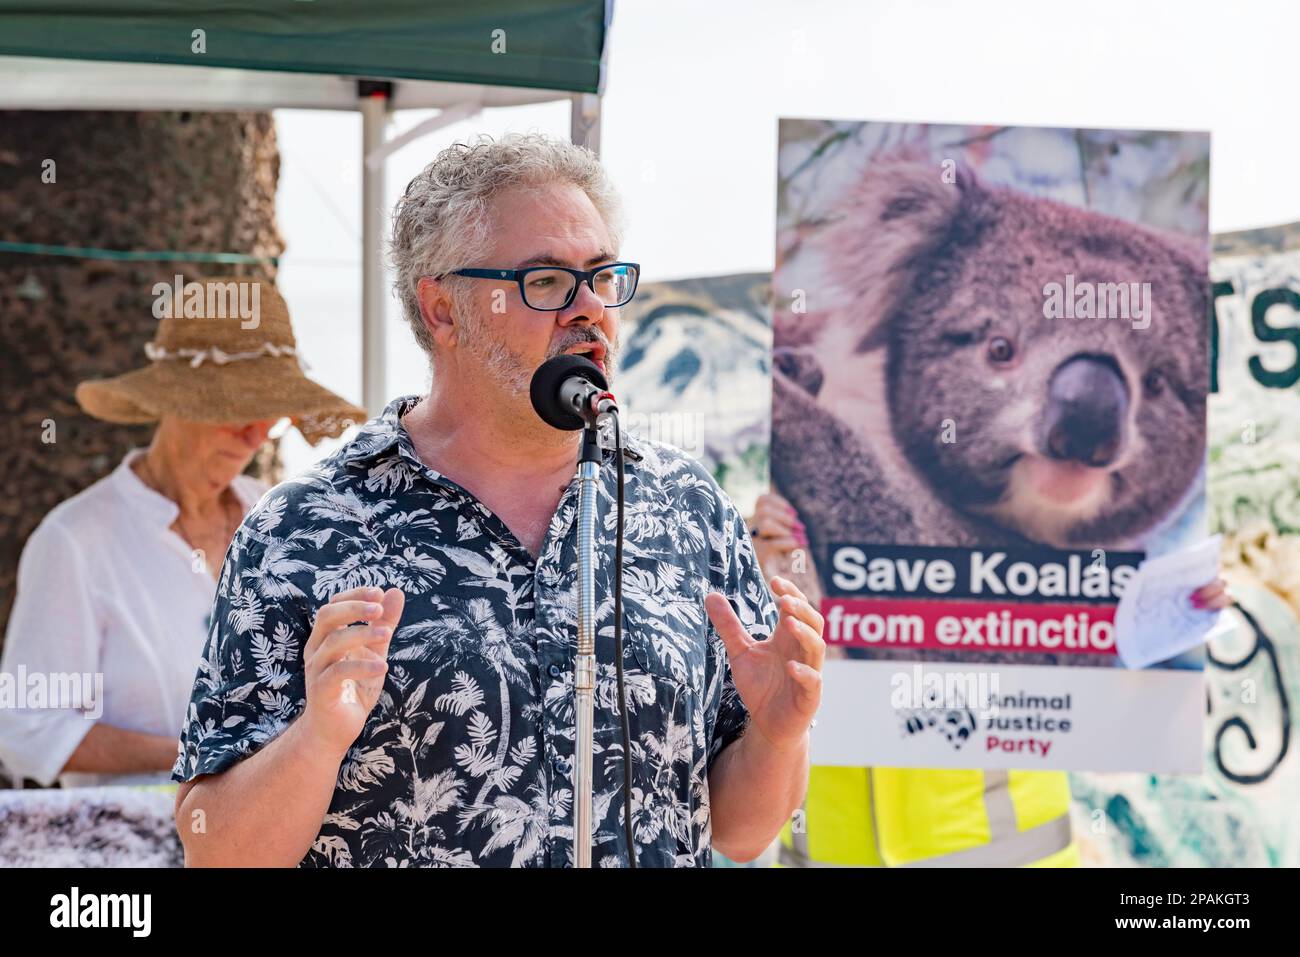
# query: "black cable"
618,649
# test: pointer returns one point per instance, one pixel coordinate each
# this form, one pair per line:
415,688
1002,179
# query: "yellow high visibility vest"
922,817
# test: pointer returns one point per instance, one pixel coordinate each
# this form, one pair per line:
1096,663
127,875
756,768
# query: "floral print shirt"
467,759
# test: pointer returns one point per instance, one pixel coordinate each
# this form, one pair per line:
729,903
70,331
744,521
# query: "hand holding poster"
989,393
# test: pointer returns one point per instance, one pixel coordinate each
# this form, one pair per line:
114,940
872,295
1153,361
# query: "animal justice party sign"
990,373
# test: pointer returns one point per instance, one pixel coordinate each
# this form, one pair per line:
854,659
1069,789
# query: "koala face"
1069,431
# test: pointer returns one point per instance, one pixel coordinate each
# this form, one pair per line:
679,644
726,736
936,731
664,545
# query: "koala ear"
904,206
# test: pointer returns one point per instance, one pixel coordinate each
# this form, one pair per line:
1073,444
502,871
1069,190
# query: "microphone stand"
584,684
568,392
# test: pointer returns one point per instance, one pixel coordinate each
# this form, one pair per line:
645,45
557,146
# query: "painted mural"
695,371
1244,810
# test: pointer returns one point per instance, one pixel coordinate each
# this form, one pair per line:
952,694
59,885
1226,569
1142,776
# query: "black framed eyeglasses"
551,288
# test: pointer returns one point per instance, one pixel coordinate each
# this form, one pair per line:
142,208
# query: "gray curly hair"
443,221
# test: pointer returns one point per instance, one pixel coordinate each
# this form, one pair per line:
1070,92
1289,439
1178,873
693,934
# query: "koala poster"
990,378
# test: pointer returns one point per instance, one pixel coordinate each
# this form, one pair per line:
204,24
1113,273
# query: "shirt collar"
155,506
382,432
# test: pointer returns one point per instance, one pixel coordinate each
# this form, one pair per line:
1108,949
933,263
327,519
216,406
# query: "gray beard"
514,375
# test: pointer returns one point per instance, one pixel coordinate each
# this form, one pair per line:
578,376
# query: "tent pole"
374,103
584,120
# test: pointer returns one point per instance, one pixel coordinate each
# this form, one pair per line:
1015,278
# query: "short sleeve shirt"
467,759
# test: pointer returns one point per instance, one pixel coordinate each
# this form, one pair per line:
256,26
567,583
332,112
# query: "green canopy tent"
372,57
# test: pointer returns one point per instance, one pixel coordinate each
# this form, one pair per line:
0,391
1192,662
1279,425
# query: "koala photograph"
991,337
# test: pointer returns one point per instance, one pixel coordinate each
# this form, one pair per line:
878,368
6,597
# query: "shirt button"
561,764
554,670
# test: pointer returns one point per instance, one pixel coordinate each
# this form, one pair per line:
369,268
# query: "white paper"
1155,619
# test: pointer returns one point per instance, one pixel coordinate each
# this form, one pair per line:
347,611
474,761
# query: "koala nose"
1087,402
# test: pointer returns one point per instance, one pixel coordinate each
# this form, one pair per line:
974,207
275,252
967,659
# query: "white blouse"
105,587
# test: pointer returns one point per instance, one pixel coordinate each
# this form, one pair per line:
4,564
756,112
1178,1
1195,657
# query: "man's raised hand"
779,679
344,663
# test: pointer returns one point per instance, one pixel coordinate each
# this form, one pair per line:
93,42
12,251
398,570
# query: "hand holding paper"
1167,610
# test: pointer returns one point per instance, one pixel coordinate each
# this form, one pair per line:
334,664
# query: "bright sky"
695,89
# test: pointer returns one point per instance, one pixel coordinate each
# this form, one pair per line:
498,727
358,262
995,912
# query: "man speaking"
389,675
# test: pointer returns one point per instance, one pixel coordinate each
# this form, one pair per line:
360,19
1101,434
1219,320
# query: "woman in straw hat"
116,584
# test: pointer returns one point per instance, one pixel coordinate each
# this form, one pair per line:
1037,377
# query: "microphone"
570,392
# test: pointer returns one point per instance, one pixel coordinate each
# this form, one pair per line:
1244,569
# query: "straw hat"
223,352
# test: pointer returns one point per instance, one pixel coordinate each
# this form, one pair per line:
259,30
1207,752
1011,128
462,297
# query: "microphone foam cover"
545,389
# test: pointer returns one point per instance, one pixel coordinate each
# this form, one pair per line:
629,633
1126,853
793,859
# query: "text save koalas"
1010,574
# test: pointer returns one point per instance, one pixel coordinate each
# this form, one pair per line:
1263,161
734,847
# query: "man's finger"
799,642
335,615
808,684
734,637
338,643
801,608
358,669
783,586
393,600
362,593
